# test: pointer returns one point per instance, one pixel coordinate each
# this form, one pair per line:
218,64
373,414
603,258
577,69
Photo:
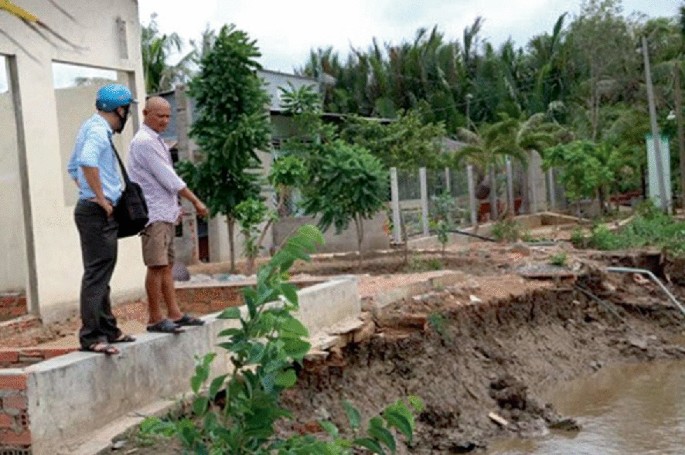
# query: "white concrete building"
48,80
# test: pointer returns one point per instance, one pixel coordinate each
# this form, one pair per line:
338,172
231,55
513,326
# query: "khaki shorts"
158,244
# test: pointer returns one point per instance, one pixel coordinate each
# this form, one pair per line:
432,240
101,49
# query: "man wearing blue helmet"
93,166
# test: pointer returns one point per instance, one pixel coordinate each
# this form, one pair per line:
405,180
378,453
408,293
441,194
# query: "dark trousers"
99,252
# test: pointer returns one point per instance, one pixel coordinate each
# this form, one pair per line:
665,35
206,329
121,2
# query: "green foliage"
578,238
559,259
442,222
300,100
250,213
265,342
439,324
346,184
418,264
231,124
407,142
506,230
583,169
156,49
650,228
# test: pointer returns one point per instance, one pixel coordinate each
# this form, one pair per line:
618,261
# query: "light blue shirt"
93,149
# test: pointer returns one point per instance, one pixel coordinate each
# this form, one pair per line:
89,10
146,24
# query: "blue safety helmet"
113,96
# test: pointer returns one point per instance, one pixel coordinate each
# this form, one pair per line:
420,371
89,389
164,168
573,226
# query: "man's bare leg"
153,286
168,291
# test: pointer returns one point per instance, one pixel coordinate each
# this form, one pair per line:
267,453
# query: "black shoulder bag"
131,211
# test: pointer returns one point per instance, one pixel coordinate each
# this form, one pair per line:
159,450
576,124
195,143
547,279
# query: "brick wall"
15,434
210,298
23,357
12,305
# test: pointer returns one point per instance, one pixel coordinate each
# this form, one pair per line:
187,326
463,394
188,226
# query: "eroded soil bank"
472,359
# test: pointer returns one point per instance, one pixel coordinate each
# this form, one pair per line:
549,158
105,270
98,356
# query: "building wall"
13,264
46,132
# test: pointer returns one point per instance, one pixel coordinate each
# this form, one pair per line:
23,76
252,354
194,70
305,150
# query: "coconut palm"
156,49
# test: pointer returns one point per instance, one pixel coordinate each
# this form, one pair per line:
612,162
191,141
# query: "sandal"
101,348
123,338
165,326
187,319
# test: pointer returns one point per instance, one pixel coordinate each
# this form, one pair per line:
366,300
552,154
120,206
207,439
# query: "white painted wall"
52,242
12,240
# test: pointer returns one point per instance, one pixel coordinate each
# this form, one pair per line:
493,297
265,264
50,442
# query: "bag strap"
121,163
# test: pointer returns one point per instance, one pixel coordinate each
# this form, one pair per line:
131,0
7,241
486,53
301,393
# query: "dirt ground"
483,349
486,348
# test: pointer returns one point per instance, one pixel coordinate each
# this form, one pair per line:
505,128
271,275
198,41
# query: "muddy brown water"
628,409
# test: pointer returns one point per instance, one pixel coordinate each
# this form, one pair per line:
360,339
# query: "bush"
506,230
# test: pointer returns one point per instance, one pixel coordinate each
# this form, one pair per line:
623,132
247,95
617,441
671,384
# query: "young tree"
231,125
338,181
346,183
584,169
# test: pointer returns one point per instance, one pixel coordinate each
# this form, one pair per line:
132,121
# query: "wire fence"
427,195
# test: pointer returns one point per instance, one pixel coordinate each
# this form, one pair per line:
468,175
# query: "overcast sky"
286,30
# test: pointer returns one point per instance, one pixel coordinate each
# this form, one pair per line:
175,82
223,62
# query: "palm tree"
510,137
156,50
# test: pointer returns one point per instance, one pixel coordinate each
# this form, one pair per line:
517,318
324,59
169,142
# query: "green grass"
649,228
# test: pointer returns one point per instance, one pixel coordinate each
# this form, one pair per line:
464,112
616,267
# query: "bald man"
150,165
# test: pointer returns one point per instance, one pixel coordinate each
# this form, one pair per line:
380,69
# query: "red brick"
15,402
9,355
6,421
13,382
8,300
56,352
17,439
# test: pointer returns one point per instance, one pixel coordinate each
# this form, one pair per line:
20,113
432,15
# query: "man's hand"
201,209
106,206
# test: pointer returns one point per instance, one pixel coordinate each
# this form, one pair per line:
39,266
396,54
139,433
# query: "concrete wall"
537,183
13,263
108,37
375,237
156,366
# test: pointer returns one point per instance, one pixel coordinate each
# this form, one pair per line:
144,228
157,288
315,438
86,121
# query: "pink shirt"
149,164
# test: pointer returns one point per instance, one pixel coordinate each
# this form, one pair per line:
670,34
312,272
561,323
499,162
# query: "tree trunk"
358,223
230,222
493,195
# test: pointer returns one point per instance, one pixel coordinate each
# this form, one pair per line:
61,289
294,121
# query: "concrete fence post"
510,187
448,188
552,191
472,195
395,204
424,200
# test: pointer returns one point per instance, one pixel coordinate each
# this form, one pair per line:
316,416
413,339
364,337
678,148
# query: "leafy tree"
405,143
346,183
249,214
583,169
156,49
605,62
231,125
443,222
265,344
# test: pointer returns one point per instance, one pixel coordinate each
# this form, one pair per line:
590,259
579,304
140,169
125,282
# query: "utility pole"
655,128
